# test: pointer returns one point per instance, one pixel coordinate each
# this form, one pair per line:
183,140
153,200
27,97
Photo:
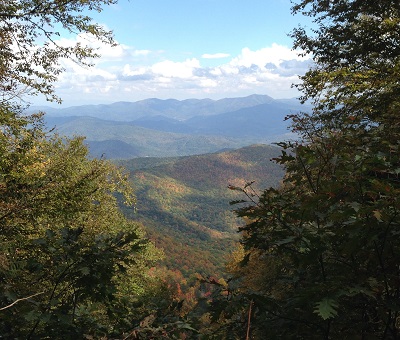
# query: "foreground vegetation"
318,256
326,243
71,265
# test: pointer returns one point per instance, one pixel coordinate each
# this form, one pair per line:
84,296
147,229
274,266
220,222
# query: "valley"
182,157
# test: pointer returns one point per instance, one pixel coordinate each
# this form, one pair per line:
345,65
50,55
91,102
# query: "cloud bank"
215,55
124,73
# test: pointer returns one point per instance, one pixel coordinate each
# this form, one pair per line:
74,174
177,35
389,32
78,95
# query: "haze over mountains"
155,127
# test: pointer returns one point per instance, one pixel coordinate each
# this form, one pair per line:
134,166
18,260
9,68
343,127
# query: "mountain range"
173,108
155,127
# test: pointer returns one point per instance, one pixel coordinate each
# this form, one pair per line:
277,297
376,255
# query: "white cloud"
274,55
215,55
128,74
141,52
107,52
75,70
208,83
172,69
128,71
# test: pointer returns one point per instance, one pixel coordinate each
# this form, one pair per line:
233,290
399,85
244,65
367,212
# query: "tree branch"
21,299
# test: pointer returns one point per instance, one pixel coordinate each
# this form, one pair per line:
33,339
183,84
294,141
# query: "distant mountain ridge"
172,108
157,128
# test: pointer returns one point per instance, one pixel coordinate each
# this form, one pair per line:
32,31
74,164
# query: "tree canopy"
321,252
30,55
67,253
71,265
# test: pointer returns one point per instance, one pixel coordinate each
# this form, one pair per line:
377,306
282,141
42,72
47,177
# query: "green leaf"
326,308
355,205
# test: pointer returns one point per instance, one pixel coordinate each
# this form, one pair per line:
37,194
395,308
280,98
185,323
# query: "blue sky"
188,49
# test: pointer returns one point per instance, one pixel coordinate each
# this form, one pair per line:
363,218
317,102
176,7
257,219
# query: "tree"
29,53
64,243
71,265
329,235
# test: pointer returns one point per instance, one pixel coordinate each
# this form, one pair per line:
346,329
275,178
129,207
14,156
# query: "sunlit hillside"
185,202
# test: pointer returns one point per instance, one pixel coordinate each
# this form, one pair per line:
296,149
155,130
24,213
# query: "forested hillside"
132,141
184,202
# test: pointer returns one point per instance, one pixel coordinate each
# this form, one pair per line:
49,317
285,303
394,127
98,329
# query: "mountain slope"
137,140
184,202
259,121
116,148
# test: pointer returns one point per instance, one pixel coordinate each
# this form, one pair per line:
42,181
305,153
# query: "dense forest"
184,203
317,257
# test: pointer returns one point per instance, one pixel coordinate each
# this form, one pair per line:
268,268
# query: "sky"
187,49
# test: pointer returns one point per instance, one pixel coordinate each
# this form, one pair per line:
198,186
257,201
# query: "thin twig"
248,321
19,300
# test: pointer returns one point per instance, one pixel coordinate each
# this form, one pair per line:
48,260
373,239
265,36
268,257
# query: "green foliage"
29,54
63,241
71,265
326,308
321,252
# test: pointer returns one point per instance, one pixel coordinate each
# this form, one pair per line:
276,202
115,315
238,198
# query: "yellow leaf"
378,215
